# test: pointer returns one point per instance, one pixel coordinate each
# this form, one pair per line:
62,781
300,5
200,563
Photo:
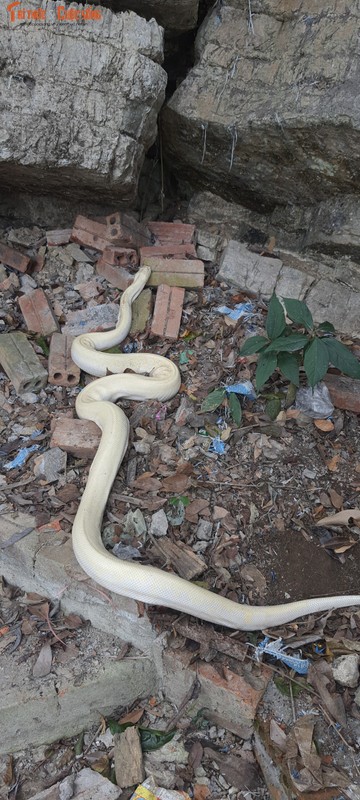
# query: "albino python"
156,378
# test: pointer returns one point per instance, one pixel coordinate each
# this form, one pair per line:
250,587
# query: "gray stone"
240,267
174,17
345,670
86,784
101,317
256,120
338,304
293,283
50,465
88,96
159,523
205,254
134,523
204,530
335,227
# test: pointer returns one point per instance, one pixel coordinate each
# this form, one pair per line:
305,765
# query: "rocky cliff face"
270,113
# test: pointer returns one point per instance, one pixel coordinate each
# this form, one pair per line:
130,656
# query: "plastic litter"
244,310
21,457
316,402
148,790
131,347
276,649
161,413
217,446
244,387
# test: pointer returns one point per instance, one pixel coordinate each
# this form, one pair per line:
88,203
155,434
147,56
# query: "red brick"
168,250
167,312
11,282
125,231
344,392
188,273
121,256
178,232
60,236
62,369
37,313
13,258
117,276
89,233
79,437
87,290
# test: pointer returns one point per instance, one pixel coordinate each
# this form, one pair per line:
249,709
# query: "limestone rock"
174,17
256,119
87,96
345,670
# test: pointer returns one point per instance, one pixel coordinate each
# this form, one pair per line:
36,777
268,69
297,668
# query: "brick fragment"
101,317
13,258
116,276
38,314
344,392
188,273
89,233
167,312
121,256
87,290
79,437
141,310
179,232
21,364
62,369
60,236
125,231
11,282
168,250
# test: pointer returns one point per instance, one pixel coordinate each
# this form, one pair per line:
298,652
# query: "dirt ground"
261,498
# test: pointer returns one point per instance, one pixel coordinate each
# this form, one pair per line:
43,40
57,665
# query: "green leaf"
299,313
316,361
283,686
174,501
327,327
213,400
273,407
41,342
342,358
265,367
117,727
290,395
152,740
289,366
253,345
235,408
288,344
275,321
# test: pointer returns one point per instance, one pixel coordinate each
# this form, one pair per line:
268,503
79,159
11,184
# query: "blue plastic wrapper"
244,387
217,446
244,310
21,457
276,650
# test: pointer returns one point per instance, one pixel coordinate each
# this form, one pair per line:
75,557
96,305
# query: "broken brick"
344,392
188,273
79,437
121,256
116,276
37,313
89,233
125,231
13,258
141,310
168,250
179,232
11,282
61,236
87,290
167,312
62,369
21,364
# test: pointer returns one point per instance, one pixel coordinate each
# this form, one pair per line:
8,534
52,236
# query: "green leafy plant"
216,398
150,739
285,347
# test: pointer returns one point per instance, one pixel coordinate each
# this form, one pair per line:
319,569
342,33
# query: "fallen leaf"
201,791
43,662
195,755
336,499
132,716
277,735
146,483
324,425
319,676
342,518
333,464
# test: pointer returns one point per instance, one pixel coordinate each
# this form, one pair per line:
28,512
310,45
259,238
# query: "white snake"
156,378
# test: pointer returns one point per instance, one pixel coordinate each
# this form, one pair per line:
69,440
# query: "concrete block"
45,563
36,711
21,363
141,310
167,313
62,369
79,437
13,258
248,271
39,316
179,232
188,273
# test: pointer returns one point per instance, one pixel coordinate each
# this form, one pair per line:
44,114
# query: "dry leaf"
277,735
201,791
146,483
336,499
332,465
132,716
319,676
342,518
43,662
195,755
324,425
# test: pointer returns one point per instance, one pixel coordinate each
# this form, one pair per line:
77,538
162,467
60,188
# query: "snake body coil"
156,378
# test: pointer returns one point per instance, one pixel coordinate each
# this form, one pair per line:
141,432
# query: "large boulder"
175,16
79,99
270,113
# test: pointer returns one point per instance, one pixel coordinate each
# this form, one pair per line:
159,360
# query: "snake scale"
153,377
